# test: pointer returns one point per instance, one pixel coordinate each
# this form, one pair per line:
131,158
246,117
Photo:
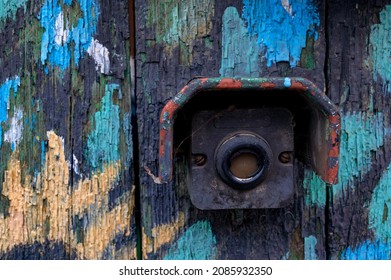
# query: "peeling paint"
104,139
361,134
287,82
75,165
380,39
183,23
234,61
14,134
287,6
315,189
61,38
61,34
310,248
379,216
197,243
281,34
45,212
165,233
368,250
8,8
5,90
101,56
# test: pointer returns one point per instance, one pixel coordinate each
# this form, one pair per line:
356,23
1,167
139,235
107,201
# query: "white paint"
14,134
61,34
287,6
75,165
101,56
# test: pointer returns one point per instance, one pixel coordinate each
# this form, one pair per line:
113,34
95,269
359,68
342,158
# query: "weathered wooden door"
66,144
79,156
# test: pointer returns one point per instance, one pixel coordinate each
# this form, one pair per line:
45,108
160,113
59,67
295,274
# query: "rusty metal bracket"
326,137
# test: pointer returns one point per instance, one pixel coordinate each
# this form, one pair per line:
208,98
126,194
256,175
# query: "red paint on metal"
184,89
163,137
197,85
268,85
295,85
332,174
170,108
228,83
334,135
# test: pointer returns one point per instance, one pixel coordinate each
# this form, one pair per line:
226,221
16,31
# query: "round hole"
243,161
244,164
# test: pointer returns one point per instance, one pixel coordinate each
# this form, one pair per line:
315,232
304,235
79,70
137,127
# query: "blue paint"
361,134
368,250
77,38
281,34
287,82
103,141
379,216
380,39
43,153
240,51
197,243
310,248
5,91
315,189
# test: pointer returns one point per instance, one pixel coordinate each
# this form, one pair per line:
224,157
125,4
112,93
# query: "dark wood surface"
78,158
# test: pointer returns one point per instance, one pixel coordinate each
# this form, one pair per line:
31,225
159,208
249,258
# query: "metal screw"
199,160
284,157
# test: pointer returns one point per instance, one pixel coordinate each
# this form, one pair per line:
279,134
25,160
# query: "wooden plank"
359,40
178,40
65,138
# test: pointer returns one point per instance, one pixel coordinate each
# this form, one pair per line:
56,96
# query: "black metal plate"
211,128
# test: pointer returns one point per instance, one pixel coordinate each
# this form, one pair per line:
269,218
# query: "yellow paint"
162,234
44,210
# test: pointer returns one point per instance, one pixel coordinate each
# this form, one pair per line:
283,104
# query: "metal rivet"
199,159
284,157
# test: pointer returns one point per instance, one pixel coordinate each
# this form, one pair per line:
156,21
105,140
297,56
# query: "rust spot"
335,119
163,136
332,174
268,85
229,83
299,86
168,111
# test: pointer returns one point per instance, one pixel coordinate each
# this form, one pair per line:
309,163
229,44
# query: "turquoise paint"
315,189
8,8
235,38
379,216
287,82
127,128
197,243
43,153
60,39
103,141
282,33
380,39
368,250
310,248
5,90
361,134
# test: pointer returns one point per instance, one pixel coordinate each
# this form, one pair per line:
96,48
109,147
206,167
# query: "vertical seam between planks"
328,190
134,122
